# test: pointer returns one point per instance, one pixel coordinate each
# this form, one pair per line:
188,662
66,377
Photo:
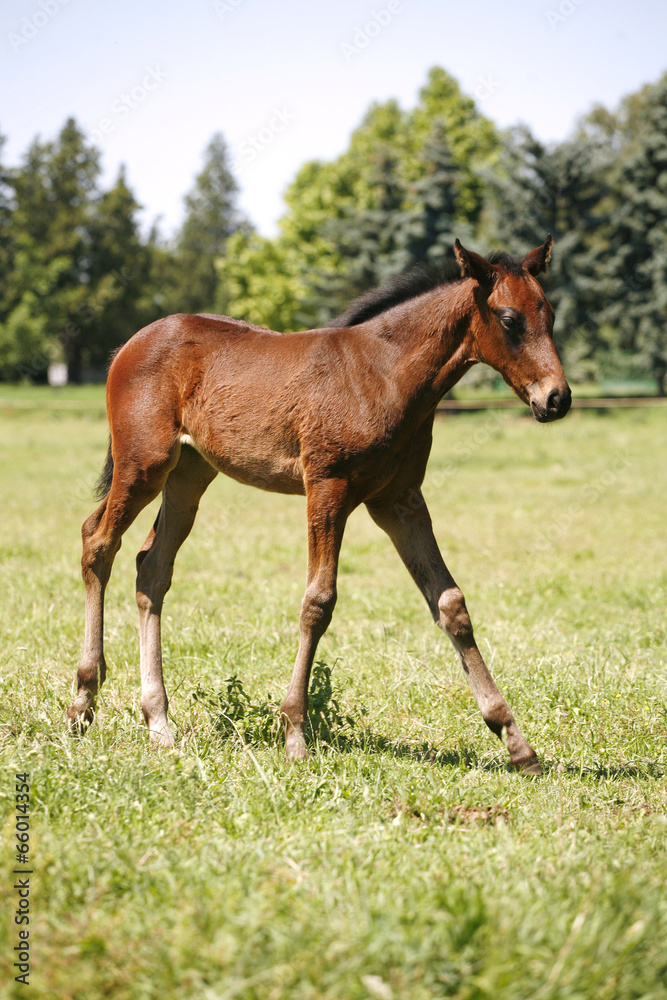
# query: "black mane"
408,285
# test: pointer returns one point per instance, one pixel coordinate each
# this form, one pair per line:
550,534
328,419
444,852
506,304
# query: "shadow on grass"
235,716
609,772
366,741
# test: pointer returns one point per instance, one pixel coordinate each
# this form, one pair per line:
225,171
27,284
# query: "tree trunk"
74,368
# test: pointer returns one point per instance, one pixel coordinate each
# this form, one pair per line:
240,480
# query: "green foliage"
78,267
407,180
6,241
472,138
77,278
24,340
234,715
259,282
632,254
431,221
48,235
365,241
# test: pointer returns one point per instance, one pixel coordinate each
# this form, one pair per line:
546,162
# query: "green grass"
404,860
44,396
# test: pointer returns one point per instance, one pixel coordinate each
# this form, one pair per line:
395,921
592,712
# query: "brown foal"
343,415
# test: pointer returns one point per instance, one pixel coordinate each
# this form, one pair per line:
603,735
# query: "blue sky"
288,81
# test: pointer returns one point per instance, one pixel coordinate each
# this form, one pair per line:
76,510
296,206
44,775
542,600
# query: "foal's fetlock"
81,712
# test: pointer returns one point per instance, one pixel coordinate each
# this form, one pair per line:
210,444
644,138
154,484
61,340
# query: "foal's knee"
154,576
453,615
318,606
152,588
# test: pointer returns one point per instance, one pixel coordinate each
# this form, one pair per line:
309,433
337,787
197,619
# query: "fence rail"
445,406
584,403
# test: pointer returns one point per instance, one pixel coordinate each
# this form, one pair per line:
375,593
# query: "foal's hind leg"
155,563
101,534
412,534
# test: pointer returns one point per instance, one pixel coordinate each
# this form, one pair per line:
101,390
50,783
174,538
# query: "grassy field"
404,860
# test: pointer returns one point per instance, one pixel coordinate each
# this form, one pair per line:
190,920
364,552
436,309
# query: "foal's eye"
512,323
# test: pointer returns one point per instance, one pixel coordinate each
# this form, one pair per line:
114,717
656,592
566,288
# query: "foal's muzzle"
553,405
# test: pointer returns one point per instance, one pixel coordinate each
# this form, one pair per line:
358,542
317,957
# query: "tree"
117,270
259,282
212,216
53,190
427,227
352,222
365,241
633,256
78,267
6,241
473,140
535,190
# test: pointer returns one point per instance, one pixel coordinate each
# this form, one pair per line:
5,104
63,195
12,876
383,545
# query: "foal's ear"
536,261
474,266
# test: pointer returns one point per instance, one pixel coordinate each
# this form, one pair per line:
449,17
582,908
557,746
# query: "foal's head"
512,330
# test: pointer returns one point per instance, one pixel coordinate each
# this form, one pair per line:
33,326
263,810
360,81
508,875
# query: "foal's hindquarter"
344,416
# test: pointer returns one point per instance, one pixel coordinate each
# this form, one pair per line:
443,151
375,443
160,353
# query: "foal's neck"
431,338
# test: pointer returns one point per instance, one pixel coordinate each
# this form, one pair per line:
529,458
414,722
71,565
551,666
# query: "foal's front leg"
412,534
327,512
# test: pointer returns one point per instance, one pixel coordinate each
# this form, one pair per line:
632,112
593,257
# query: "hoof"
295,747
162,737
531,767
78,721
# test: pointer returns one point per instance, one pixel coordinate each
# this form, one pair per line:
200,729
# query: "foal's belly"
263,467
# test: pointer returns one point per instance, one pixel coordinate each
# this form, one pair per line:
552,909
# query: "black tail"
103,484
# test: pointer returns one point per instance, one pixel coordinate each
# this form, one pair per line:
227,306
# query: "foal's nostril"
553,401
558,401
